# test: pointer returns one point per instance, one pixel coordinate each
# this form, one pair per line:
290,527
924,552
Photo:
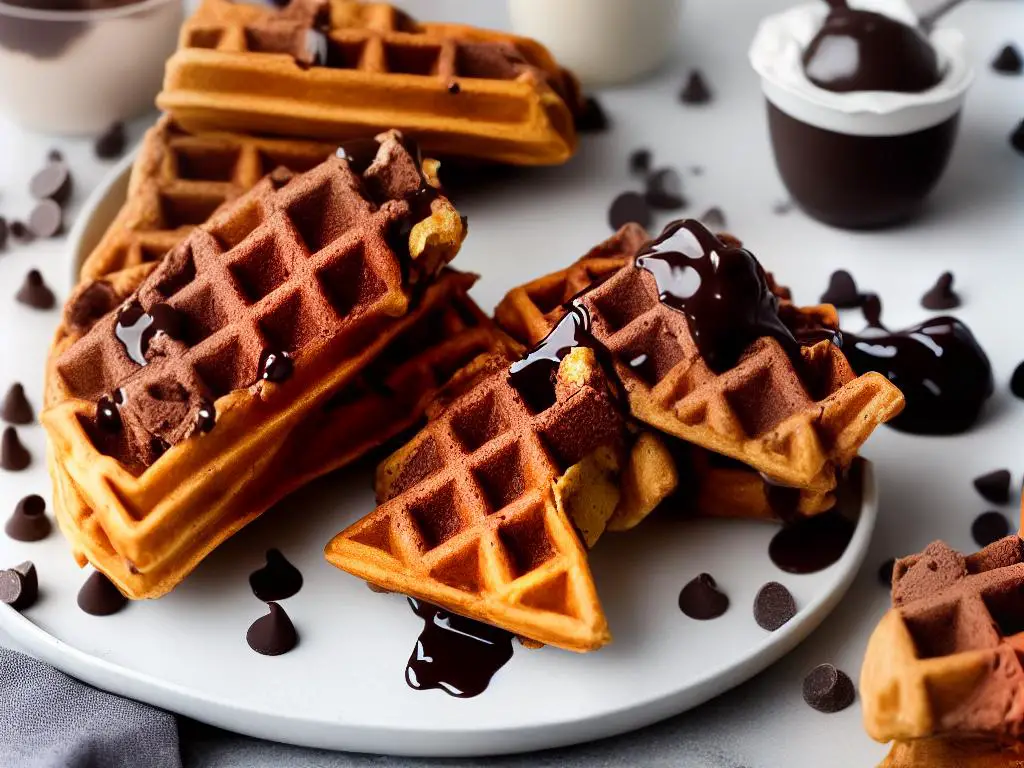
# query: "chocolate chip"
1017,381
695,90
111,144
591,118
13,455
714,218
773,606
15,408
885,572
277,580
828,689
454,88
20,232
665,190
3,233
46,219
627,207
702,600
640,162
55,156
871,307
782,207
19,586
272,634
842,291
53,182
99,597
34,292
29,522
1008,61
994,486
1017,138
989,527
941,295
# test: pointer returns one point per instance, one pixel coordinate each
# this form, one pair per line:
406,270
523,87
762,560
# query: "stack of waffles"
942,678
615,409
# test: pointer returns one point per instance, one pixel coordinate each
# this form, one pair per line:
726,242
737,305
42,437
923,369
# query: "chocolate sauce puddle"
814,543
454,654
943,372
722,290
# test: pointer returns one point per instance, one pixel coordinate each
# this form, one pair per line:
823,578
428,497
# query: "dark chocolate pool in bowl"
859,182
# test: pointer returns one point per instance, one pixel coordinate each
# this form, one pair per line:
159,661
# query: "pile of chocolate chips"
663,191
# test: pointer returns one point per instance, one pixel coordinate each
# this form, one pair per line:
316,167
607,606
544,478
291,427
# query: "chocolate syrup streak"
722,291
859,50
454,654
943,372
136,328
534,375
814,543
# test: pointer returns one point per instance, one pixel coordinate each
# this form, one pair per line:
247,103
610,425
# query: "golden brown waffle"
340,298
947,753
179,179
468,517
458,90
796,426
945,661
385,400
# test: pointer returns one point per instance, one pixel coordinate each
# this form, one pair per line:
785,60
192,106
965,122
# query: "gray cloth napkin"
50,720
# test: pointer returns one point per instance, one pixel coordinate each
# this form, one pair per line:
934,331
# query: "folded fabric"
50,720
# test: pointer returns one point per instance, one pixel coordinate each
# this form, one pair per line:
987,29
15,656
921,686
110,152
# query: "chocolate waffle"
468,517
177,182
337,70
945,661
784,403
262,314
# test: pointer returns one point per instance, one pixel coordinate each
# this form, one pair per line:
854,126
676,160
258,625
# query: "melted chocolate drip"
136,328
108,412
943,372
276,366
277,580
812,544
454,654
859,50
783,500
360,154
722,291
206,416
534,375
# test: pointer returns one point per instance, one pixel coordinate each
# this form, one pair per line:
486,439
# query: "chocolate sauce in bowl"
857,50
722,291
940,367
454,654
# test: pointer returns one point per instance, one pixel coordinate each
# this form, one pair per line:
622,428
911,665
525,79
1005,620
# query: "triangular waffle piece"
953,753
946,660
468,518
363,68
177,182
303,269
796,420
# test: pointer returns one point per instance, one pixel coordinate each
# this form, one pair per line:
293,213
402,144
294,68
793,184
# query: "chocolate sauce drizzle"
722,291
454,654
943,372
136,328
812,544
533,376
858,50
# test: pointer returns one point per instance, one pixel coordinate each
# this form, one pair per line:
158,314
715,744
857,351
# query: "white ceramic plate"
343,687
